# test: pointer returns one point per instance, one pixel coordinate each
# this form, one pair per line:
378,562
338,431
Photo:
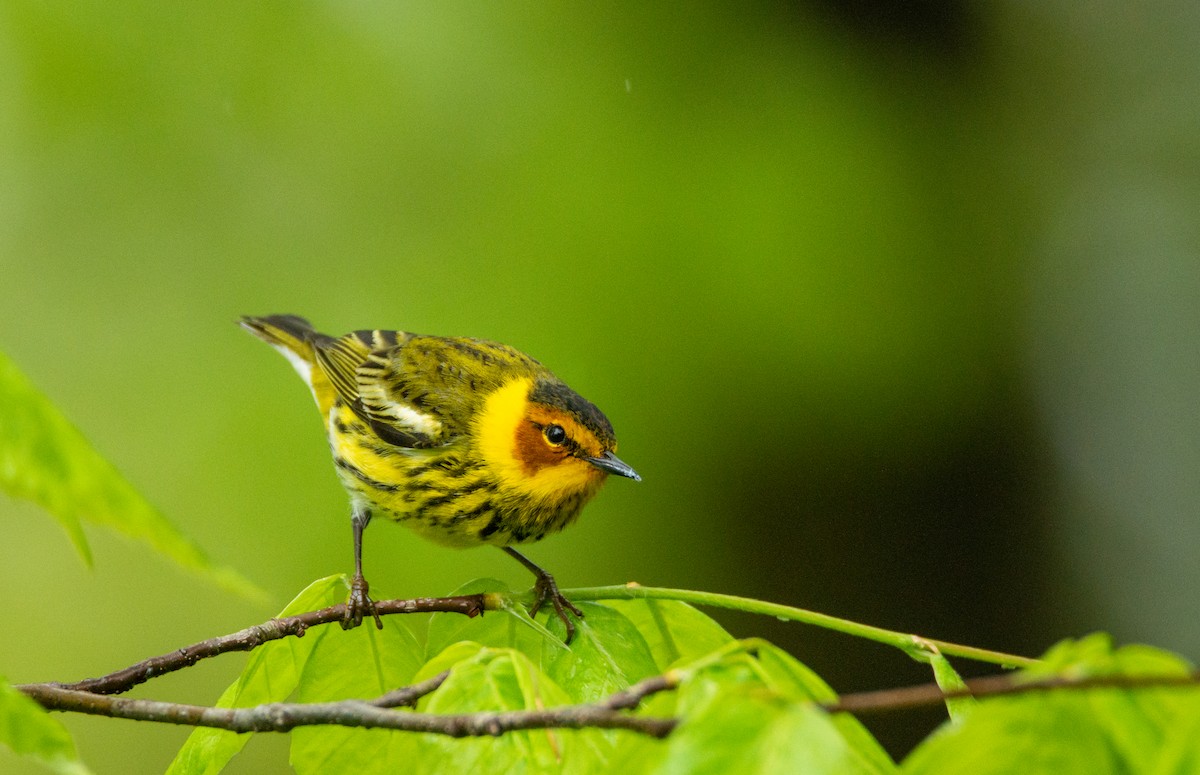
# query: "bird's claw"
359,605
545,589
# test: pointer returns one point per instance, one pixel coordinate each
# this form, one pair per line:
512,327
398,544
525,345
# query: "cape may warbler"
466,441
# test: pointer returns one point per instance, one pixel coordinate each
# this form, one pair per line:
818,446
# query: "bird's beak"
612,464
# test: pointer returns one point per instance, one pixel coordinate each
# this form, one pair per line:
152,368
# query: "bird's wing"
431,387
339,359
417,391
359,368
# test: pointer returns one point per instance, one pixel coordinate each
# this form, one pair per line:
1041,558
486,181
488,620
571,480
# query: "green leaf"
486,679
45,459
1068,730
607,655
29,730
948,680
272,673
1179,753
1008,735
795,680
752,712
461,651
741,732
732,723
507,628
675,631
362,663
786,675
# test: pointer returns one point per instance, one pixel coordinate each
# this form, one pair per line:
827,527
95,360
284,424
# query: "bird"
466,441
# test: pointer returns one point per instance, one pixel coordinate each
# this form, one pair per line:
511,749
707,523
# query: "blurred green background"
894,306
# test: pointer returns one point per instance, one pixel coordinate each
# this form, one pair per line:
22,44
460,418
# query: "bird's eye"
555,434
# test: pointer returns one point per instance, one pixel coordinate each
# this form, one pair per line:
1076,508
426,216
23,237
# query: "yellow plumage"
466,441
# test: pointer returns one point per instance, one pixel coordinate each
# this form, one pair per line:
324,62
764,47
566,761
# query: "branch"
90,696
377,713
605,714
926,695
473,605
913,645
408,695
253,637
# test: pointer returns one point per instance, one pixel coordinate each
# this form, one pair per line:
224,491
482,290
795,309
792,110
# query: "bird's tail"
292,335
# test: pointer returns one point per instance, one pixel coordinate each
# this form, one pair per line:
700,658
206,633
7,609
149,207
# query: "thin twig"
632,696
912,645
253,637
926,695
408,695
282,717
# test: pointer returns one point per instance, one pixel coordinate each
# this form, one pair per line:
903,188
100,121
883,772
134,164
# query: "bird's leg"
360,603
545,589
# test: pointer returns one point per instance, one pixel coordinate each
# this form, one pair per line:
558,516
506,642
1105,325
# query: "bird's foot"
359,605
545,589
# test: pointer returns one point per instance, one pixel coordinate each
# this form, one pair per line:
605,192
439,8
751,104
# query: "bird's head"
547,440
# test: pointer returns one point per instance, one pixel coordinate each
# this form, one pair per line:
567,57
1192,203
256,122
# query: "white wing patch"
420,422
383,407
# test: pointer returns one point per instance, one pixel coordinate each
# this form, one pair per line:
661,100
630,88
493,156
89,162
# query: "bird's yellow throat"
513,454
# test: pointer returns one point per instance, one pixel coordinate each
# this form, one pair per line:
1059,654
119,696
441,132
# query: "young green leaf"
740,731
271,674
485,679
45,459
785,674
751,710
607,655
509,627
362,663
734,720
462,651
1179,753
675,632
1065,730
30,731
948,680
